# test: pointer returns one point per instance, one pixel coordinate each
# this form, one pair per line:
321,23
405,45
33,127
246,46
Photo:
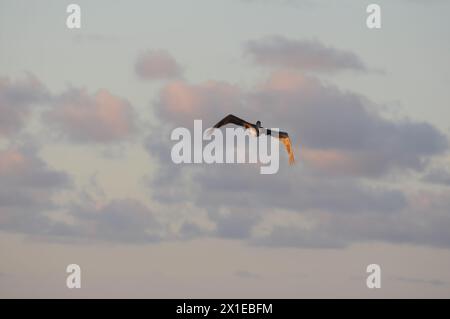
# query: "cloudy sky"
85,169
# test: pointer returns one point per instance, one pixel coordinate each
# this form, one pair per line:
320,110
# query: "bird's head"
258,124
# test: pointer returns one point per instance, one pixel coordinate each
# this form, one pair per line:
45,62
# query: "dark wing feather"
233,120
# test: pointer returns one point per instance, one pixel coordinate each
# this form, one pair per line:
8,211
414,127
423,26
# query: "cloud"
16,99
119,221
124,220
342,132
303,55
157,65
437,176
191,230
251,198
22,169
345,126
27,187
344,145
421,222
76,114
235,223
333,198
292,189
181,102
326,118
291,236
91,118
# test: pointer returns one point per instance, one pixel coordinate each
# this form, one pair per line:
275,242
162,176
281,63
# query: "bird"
256,129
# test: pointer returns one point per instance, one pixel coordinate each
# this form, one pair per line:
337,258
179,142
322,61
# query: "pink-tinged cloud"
16,99
101,117
179,97
157,65
11,161
340,162
21,167
304,55
285,81
181,102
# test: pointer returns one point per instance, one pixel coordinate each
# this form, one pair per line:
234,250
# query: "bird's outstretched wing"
284,138
234,120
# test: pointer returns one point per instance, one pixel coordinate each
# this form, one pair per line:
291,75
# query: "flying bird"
257,129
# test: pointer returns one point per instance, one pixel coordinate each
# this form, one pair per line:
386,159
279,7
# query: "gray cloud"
304,55
346,125
170,183
344,211
419,225
291,189
190,230
118,221
27,186
236,224
437,176
16,99
237,199
123,220
291,236
156,65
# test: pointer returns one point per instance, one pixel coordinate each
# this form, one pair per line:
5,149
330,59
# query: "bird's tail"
291,159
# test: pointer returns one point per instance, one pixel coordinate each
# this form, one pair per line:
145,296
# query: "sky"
86,175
